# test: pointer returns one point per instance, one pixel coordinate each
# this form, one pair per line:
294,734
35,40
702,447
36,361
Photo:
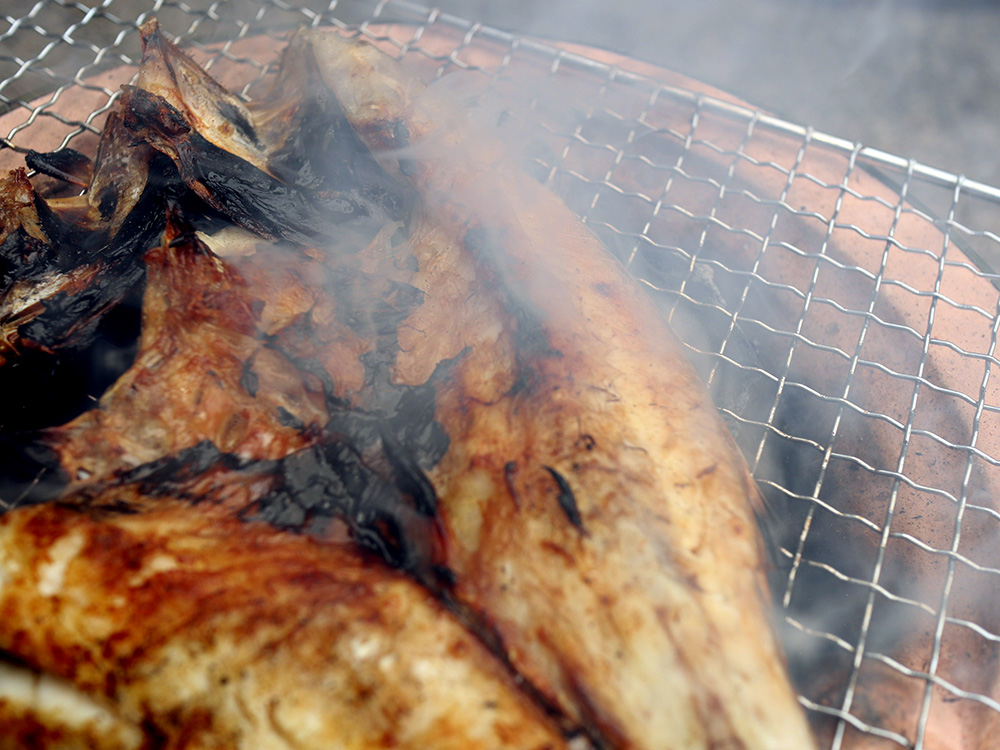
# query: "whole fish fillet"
597,515
184,627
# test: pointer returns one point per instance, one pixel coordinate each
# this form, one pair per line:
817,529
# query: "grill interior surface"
838,301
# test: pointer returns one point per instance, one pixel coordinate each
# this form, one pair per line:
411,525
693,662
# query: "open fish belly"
503,416
598,517
184,627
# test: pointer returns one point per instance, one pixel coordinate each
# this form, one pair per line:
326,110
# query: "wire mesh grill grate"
838,300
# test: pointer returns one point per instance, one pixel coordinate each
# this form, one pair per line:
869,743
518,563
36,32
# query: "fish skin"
201,102
202,371
631,594
66,164
193,629
649,621
65,263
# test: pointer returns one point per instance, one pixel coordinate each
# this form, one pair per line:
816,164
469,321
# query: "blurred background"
916,78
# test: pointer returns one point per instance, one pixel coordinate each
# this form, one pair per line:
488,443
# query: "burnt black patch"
107,202
531,339
401,140
400,134
262,204
154,736
23,257
290,420
234,115
67,165
408,167
139,107
412,422
69,319
408,475
29,472
170,475
340,478
248,379
368,469
53,389
566,498
531,348
478,241
445,574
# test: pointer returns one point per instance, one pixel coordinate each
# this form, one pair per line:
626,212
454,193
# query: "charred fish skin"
204,323
71,276
66,263
654,627
250,197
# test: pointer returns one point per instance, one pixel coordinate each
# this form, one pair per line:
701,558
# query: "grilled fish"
185,627
471,390
202,371
250,354
597,516
65,262
259,170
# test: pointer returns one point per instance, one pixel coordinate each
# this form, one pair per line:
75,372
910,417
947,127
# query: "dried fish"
416,353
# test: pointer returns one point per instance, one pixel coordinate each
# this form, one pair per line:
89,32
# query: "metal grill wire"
838,300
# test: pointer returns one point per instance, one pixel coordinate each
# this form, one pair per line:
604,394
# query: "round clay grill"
837,300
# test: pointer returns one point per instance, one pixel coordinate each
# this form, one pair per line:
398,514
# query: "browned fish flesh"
65,262
202,371
263,176
184,627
